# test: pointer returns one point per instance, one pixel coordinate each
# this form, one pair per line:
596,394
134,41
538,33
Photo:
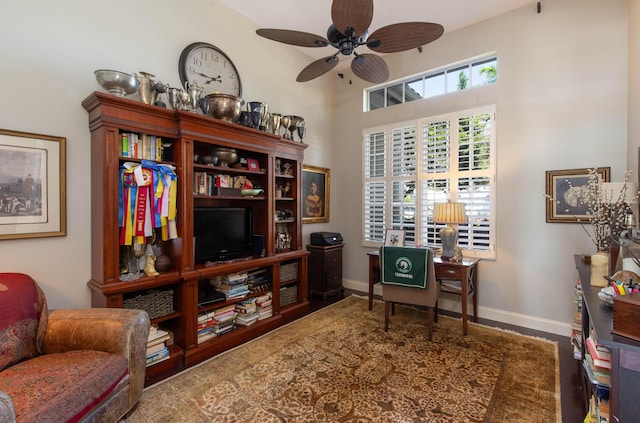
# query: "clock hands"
211,79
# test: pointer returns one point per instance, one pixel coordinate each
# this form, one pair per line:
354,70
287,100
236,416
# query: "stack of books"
205,326
158,345
224,319
264,306
597,363
259,280
576,325
234,285
247,312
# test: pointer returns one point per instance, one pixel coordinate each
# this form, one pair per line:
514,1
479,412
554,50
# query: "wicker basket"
288,271
156,303
288,295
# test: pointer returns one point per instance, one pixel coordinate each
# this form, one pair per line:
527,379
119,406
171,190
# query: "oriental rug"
338,365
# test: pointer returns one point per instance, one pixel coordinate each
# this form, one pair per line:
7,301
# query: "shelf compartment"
157,302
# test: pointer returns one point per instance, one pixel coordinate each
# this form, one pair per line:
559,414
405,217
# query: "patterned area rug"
338,365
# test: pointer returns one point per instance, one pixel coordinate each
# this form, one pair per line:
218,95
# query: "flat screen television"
222,233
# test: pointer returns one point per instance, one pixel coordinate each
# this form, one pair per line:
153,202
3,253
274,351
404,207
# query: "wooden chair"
427,297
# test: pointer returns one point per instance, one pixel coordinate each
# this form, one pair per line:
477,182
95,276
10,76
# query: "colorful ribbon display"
147,200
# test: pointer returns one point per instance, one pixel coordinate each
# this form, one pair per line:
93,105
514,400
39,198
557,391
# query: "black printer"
326,238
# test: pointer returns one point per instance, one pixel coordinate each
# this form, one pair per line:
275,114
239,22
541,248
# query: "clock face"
208,67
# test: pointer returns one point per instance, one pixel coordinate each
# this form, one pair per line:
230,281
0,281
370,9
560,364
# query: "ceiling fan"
349,30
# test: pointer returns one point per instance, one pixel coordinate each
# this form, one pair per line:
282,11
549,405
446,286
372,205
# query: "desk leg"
465,294
465,287
474,278
372,272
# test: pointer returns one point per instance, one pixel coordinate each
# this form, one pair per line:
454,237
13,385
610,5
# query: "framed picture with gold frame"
315,194
564,189
32,185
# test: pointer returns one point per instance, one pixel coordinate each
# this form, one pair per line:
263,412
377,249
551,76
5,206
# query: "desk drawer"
446,271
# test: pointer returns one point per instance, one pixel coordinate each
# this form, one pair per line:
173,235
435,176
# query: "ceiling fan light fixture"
374,43
347,47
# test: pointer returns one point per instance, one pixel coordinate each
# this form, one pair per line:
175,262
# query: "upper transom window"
455,77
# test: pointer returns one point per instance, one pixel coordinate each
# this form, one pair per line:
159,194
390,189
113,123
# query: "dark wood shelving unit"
188,135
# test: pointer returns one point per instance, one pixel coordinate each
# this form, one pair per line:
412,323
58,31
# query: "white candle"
599,269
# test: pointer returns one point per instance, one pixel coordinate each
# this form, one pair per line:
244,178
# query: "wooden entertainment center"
186,136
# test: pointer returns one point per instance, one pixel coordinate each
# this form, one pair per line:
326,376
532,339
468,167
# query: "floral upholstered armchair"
84,365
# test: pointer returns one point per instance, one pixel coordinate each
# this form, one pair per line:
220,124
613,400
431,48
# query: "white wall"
48,53
561,104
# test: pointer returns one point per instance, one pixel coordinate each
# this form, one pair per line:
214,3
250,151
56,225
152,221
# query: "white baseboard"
451,302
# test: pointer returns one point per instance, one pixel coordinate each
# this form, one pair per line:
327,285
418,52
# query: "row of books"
142,146
205,183
158,344
576,325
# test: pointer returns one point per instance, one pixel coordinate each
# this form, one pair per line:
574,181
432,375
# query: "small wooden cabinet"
276,167
325,269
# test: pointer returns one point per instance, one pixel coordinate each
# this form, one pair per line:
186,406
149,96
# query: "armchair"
407,276
84,365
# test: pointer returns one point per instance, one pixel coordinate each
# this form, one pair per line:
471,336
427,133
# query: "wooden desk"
466,272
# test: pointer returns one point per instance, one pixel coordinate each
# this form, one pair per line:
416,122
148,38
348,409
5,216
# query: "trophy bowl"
117,83
226,156
225,107
291,123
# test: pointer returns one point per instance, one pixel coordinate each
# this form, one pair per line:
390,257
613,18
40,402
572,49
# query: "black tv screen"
221,233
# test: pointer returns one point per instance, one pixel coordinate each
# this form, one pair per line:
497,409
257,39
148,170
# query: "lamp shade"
449,213
612,192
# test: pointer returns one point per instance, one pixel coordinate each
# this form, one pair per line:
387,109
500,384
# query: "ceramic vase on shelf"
599,268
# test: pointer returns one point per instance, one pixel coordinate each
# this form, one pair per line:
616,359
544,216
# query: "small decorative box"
626,315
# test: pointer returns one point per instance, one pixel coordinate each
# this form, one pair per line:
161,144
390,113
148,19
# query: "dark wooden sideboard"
597,319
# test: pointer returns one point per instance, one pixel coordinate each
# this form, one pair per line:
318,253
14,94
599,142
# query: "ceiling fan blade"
356,14
370,68
296,38
317,68
404,36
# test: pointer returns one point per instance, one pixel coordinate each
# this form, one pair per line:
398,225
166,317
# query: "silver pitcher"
146,88
195,94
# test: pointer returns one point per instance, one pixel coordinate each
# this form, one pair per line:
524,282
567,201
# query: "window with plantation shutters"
411,166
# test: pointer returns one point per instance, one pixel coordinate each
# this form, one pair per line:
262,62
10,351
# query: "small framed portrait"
394,238
252,165
315,194
564,194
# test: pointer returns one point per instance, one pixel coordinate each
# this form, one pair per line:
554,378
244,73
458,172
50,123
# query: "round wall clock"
210,68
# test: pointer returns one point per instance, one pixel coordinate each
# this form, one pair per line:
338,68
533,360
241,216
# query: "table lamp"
450,213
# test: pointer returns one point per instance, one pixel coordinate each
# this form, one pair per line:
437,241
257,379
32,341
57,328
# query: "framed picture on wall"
394,238
564,191
315,194
32,185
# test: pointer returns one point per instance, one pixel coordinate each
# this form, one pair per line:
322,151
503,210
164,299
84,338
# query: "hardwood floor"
573,409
